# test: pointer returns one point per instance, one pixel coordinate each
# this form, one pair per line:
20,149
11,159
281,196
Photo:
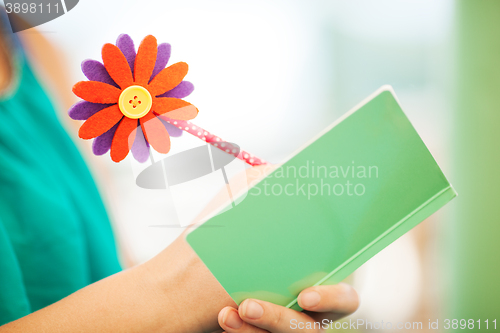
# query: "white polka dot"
187,128
199,133
227,150
216,145
251,160
235,150
194,127
205,139
175,123
205,133
222,144
180,127
218,139
246,155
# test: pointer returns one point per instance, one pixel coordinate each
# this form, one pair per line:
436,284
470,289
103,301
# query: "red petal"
174,108
145,60
123,139
97,92
100,122
168,78
117,66
156,134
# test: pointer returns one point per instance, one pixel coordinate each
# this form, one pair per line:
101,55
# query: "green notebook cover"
354,189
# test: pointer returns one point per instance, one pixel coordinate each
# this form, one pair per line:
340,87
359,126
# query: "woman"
59,270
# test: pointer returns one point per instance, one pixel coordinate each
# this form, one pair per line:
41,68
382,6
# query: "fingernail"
232,319
309,299
252,310
346,286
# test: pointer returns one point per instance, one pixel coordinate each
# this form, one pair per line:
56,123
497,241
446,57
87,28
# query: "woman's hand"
322,306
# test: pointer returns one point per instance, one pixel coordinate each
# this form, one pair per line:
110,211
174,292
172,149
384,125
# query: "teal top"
55,235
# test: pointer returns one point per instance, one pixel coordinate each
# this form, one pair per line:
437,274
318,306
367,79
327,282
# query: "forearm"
173,292
195,294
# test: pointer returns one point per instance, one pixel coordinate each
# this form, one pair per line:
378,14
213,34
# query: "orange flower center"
135,102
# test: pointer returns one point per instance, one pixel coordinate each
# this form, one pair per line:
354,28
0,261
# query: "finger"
341,299
275,318
230,321
241,182
257,173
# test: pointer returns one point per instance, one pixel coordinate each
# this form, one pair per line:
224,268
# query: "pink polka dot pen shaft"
215,141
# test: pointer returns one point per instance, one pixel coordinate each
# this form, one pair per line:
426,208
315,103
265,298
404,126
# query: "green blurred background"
474,243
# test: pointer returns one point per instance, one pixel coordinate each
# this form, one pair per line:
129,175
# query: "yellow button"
135,102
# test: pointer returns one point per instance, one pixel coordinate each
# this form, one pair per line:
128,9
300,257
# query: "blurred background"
280,71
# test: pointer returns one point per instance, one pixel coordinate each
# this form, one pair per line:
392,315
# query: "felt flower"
126,97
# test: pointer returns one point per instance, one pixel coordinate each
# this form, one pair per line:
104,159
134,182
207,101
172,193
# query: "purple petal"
95,71
182,90
83,110
140,148
102,143
172,130
126,45
162,58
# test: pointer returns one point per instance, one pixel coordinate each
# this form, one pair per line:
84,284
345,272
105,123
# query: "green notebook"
354,189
